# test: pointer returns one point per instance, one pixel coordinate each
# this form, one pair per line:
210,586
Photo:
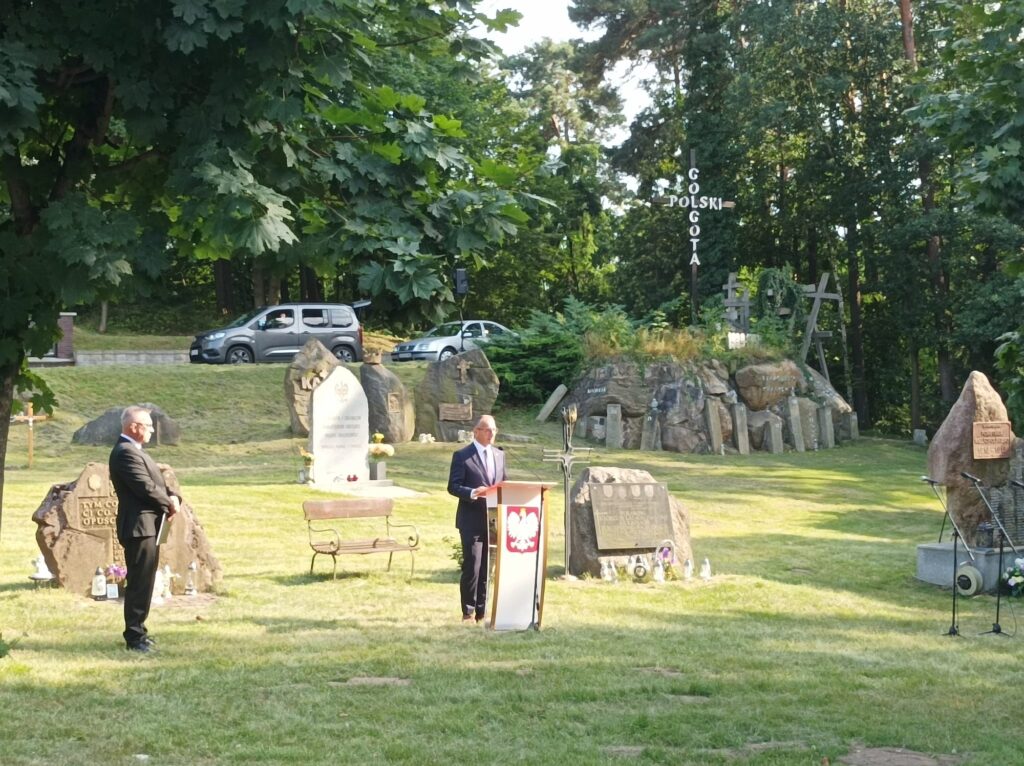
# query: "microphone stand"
1003,537
954,628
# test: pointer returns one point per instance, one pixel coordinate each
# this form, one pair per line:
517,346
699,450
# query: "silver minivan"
277,333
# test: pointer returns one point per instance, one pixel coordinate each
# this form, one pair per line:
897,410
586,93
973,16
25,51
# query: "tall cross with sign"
696,203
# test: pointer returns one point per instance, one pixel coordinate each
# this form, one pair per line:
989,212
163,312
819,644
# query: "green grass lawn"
812,637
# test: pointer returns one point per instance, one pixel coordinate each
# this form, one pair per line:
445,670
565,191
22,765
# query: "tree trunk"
104,311
222,286
310,286
860,394
940,283
7,375
915,386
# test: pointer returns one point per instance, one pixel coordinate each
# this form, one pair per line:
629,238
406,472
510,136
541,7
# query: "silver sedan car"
448,339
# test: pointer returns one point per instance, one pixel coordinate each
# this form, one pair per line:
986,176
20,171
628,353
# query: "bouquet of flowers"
307,457
1014,578
115,573
379,451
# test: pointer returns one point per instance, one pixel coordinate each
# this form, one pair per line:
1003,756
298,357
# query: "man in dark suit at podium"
475,467
142,501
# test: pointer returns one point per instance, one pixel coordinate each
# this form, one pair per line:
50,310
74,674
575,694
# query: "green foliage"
1010,362
547,353
778,295
974,104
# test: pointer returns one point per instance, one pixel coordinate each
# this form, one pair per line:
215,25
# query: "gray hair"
129,414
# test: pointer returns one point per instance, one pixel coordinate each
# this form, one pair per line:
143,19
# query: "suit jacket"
466,474
142,495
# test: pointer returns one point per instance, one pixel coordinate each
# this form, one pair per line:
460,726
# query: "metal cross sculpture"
567,457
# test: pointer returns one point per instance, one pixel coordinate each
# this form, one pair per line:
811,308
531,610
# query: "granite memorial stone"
76,532
339,433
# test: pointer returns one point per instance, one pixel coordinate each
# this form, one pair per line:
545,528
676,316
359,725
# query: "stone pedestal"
935,564
826,432
796,431
378,470
714,426
613,427
739,428
773,438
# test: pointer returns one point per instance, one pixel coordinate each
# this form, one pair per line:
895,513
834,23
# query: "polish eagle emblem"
522,529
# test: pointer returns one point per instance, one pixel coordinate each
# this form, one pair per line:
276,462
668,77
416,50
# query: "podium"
519,555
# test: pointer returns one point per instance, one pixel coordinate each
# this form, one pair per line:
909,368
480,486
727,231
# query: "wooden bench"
329,541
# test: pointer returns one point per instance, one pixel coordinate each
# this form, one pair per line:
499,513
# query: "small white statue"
158,587
168,578
658,574
705,570
42,573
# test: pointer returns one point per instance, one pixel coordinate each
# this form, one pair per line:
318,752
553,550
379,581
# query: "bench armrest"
414,536
324,531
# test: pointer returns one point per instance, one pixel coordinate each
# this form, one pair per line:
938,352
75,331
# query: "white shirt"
487,458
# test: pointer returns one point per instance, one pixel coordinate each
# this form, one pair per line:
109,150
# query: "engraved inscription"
455,412
993,440
394,402
630,515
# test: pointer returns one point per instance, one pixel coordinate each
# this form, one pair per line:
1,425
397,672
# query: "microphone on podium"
929,480
970,477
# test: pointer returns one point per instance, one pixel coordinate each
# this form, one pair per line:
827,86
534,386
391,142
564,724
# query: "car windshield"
443,331
246,318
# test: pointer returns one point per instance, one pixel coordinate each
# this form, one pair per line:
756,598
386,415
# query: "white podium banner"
520,556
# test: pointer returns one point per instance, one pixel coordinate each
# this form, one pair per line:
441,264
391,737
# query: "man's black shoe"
142,647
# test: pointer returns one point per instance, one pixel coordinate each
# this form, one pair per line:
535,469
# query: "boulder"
584,553
308,369
454,393
822,391
391,408
951,453
107,428
762,385
77,533
757,427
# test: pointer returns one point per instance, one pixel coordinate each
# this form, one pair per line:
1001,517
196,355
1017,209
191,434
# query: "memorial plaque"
630,515
993,440
339,432
455,412
394,402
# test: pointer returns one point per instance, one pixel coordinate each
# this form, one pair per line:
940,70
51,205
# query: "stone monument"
976,438
633,515
454,393
339,433
953,452
391,407
105,429
76,532
309,368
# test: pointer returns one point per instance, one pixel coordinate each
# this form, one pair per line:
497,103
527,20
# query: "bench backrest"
355,508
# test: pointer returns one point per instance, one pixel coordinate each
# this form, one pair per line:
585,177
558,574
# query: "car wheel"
446,353
239,355
344,353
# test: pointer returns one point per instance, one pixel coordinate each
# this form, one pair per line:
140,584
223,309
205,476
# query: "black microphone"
1016,483
929,480
970,477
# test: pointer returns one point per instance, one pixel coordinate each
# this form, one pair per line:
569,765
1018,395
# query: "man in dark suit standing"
142,501
475,468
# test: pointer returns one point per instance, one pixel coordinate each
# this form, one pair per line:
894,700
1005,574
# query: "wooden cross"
811,331
29,418
737,297
463,366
